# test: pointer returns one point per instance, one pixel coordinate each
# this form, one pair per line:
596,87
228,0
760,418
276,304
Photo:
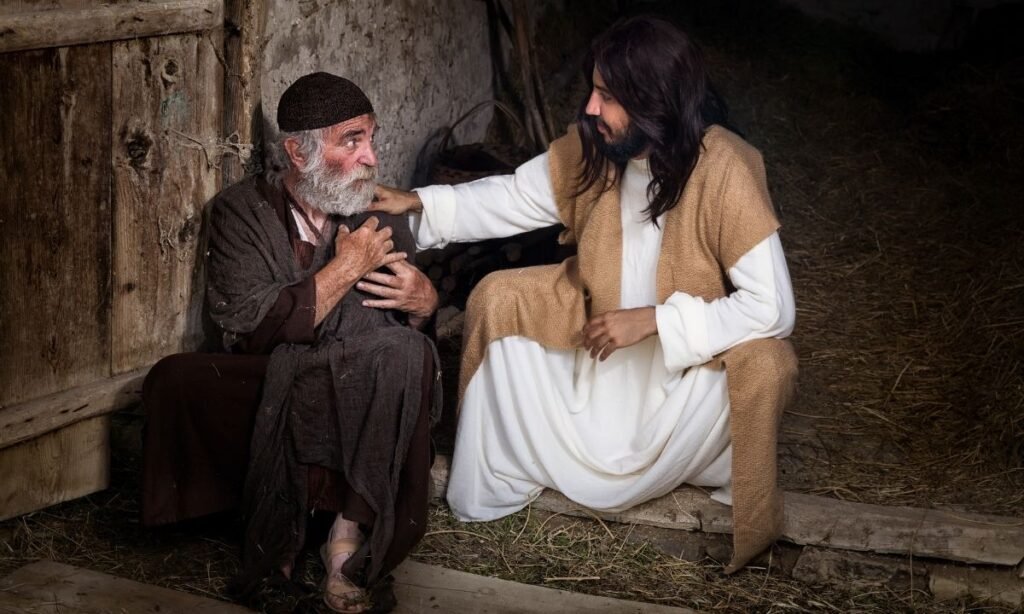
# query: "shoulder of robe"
238,200
565,162
723,148
398,223
565,158
740,209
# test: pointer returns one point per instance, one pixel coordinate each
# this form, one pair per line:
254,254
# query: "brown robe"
274,416
724,211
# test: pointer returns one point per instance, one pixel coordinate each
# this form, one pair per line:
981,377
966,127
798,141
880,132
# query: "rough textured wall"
422,63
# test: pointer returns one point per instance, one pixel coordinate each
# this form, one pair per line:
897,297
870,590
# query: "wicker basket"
464,163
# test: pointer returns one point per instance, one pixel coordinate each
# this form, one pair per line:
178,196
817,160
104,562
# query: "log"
949,582
513,251
858,571
37,417
40,29
969,538
820,521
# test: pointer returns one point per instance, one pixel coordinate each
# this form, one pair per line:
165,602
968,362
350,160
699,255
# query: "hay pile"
100,532
898,180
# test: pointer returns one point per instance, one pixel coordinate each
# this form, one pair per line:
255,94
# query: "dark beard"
631,145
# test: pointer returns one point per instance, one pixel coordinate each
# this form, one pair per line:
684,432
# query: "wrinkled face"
620,139
349,145
339,177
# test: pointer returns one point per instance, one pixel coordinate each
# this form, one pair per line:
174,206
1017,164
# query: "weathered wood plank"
37,417
54,220
970,538
23,29
245,23
686,509
998,587
165,130
11,603
59,466
428,588
57,588
858,571
820,521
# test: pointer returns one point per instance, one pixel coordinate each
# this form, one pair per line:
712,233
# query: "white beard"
337,194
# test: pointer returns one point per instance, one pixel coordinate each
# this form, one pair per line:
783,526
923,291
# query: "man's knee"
493,291
770,361
168,376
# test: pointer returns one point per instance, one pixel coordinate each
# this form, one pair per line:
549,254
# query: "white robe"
610,434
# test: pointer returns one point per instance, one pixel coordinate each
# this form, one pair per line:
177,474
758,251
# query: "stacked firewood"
457,268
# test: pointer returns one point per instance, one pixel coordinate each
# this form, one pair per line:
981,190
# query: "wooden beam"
37,417
56,587
996,587
953,536
40,29
820,521
245,25
429,588
55,467
165,157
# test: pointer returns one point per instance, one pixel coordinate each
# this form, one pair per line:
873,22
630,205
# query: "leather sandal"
340,593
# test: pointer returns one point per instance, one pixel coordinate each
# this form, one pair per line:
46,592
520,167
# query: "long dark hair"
657,74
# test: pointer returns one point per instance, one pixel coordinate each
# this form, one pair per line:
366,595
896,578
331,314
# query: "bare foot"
340,593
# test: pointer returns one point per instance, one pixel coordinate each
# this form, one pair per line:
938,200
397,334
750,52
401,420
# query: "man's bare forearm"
332,283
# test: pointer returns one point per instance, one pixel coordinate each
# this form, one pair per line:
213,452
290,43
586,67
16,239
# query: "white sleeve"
693,331
487,208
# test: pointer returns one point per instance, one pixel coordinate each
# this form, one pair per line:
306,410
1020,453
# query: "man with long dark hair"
655,356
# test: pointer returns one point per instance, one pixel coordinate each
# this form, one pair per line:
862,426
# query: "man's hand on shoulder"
620,328
408,290
394,201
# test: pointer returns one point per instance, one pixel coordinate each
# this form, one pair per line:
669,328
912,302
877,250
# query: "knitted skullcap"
319,100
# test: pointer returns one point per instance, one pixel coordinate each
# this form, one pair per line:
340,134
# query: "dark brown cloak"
346,396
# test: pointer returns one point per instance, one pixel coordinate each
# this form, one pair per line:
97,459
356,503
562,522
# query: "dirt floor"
898,181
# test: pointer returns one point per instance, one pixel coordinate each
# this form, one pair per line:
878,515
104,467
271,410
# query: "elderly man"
325,402
655,356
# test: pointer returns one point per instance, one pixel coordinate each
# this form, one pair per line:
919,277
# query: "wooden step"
820,521
47,587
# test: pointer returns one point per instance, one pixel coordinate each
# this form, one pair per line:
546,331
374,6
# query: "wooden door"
110,125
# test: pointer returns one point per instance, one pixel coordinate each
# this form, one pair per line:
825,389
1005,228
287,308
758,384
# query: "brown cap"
319,100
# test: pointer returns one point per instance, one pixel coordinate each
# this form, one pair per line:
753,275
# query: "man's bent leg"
199,419
761,377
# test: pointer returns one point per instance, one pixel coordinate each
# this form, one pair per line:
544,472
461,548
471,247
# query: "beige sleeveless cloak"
724,211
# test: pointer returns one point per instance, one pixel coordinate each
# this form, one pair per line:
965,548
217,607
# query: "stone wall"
422,63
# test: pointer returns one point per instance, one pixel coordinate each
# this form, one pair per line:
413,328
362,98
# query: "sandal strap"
339,546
